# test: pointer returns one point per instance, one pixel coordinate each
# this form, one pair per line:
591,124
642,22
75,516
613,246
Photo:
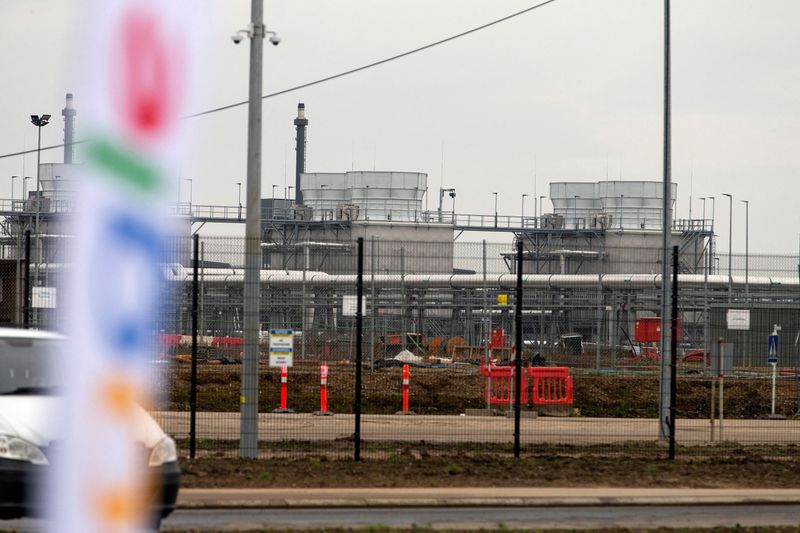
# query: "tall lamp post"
239,195
730,245
40,122
25,190
712,261
495,209
541,209
746,249
575,204
191,193
522,213
248,427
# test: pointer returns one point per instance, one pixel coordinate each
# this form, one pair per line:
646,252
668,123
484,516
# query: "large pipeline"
290,278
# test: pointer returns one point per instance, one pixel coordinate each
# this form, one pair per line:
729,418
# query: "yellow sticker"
242,399
502,299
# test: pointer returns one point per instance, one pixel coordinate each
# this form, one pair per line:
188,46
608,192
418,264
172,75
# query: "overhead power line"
334,76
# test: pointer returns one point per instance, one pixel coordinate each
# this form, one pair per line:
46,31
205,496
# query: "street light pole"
712,260
39,122
495,209
25,191
248,432
666,381
730,245
575,205
541,209
191,193
239,195
746,249
522,213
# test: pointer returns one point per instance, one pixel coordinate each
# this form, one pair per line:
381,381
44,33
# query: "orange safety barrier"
551,385
499,386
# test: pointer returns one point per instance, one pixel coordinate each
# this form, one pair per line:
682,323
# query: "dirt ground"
449,391
414,468
506,529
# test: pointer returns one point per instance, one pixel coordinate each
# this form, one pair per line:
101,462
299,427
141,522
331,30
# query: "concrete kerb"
477,497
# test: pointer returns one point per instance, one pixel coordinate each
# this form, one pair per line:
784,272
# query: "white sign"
739,319
43,297
281,347
349,305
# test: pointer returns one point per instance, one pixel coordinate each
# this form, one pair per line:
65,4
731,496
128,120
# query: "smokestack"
300,166
68,113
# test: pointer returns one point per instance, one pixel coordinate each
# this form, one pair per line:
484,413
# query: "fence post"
673,354
359,334
26,313
193,389
518,343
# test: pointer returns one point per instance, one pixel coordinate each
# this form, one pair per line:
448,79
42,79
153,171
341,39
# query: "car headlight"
163,452
21,450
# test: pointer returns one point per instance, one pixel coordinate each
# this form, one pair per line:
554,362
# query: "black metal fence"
449,312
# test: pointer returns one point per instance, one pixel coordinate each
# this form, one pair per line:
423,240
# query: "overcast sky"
575,86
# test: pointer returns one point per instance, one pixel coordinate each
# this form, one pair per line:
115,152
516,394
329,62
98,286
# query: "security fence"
447,311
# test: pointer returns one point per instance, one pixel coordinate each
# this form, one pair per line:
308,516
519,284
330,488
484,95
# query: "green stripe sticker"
124,164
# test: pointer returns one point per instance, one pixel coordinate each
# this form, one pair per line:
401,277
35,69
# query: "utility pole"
730,245
666,238
248,437
746,249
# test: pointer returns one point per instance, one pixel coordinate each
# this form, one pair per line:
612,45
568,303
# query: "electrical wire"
334,76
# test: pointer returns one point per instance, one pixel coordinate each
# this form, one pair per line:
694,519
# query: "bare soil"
416,468
450,391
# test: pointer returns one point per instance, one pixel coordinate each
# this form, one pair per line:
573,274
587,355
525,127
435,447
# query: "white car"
29,398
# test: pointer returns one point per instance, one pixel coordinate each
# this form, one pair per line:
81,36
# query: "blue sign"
772,350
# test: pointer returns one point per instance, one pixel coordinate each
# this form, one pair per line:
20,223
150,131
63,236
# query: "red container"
648,329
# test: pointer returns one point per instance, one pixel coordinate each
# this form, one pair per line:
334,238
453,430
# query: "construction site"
433,299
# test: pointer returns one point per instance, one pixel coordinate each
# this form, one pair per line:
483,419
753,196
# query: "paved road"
447,428
635,517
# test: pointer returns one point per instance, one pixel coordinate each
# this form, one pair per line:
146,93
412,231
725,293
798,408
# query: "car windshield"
26,365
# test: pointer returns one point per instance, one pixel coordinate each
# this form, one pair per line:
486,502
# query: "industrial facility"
593,264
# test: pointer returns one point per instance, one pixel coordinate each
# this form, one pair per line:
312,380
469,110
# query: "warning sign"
281,347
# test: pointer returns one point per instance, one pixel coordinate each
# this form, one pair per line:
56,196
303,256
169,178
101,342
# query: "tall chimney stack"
300,166
68,113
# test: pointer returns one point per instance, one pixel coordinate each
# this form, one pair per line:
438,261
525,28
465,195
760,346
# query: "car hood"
35,419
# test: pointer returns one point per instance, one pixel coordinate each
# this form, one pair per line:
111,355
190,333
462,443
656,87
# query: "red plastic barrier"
227,342
168,339
499,386
551,385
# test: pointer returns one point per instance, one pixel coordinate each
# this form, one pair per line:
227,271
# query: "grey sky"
572,85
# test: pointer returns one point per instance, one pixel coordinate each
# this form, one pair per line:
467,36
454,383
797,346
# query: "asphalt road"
633,517
448,428
637,517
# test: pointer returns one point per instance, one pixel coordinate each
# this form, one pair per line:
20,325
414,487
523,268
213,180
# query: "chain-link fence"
590,335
